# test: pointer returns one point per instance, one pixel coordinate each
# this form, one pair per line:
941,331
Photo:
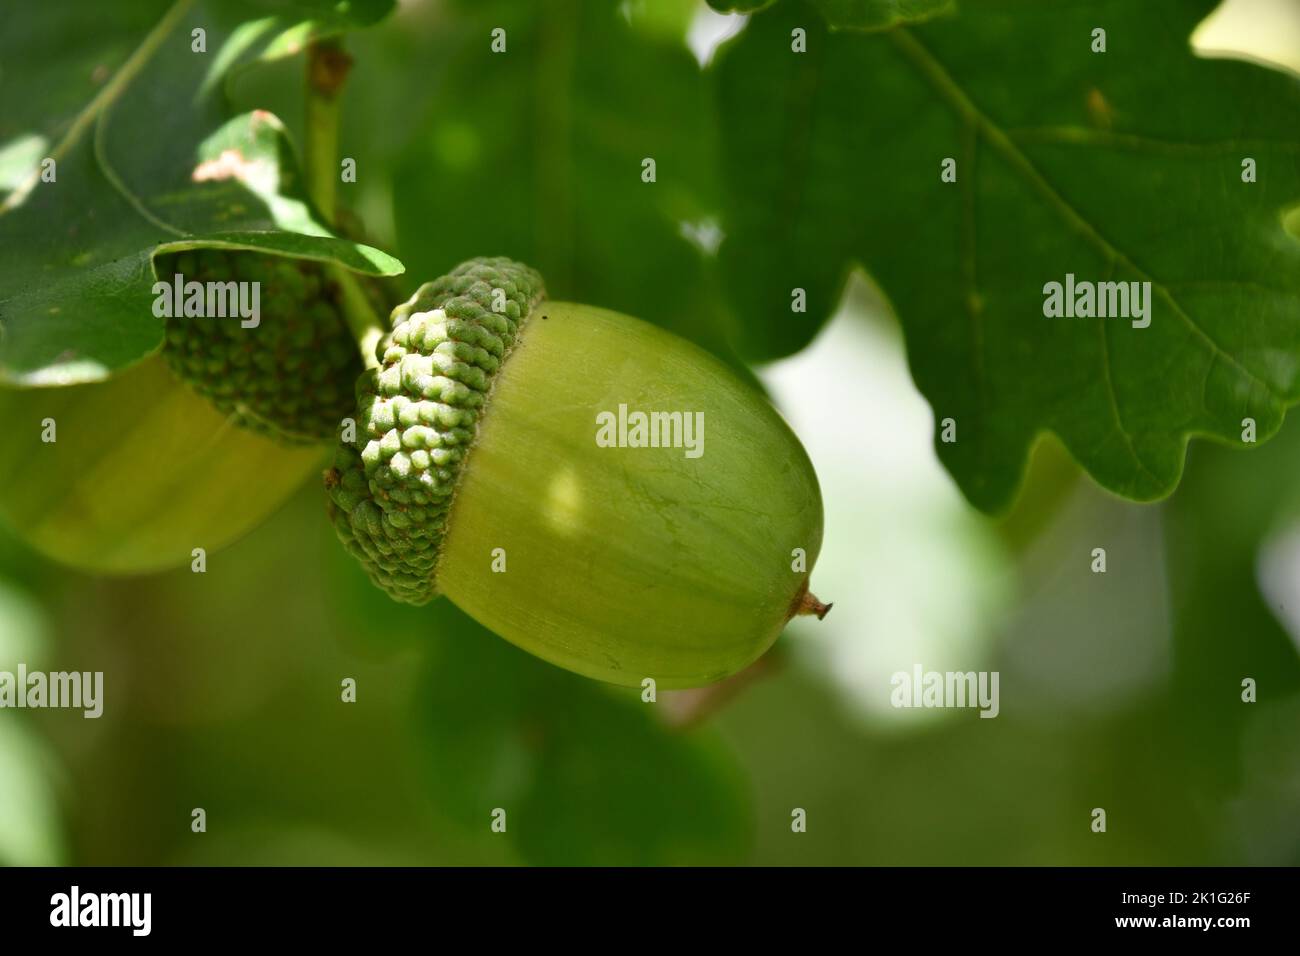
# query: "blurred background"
1120,690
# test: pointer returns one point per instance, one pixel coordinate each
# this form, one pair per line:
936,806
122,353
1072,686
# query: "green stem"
366,328
327,69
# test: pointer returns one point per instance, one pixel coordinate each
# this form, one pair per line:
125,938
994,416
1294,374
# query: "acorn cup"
290,376
597,491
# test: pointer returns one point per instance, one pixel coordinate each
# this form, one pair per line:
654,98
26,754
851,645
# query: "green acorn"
191,448
501,458
289,377
131,474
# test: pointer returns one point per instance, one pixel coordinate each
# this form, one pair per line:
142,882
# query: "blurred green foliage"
223,689
223,692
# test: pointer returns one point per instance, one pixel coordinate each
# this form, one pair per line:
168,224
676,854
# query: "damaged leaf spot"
1099,110
231,164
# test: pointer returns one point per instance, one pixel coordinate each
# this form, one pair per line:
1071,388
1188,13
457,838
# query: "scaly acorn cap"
417,418
290,376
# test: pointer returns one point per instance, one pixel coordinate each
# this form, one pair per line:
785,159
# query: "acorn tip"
807,603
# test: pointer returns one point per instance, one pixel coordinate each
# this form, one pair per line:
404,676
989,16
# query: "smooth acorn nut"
499,461
141,472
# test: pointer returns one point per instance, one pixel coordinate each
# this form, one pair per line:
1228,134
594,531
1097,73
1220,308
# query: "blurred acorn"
131,474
